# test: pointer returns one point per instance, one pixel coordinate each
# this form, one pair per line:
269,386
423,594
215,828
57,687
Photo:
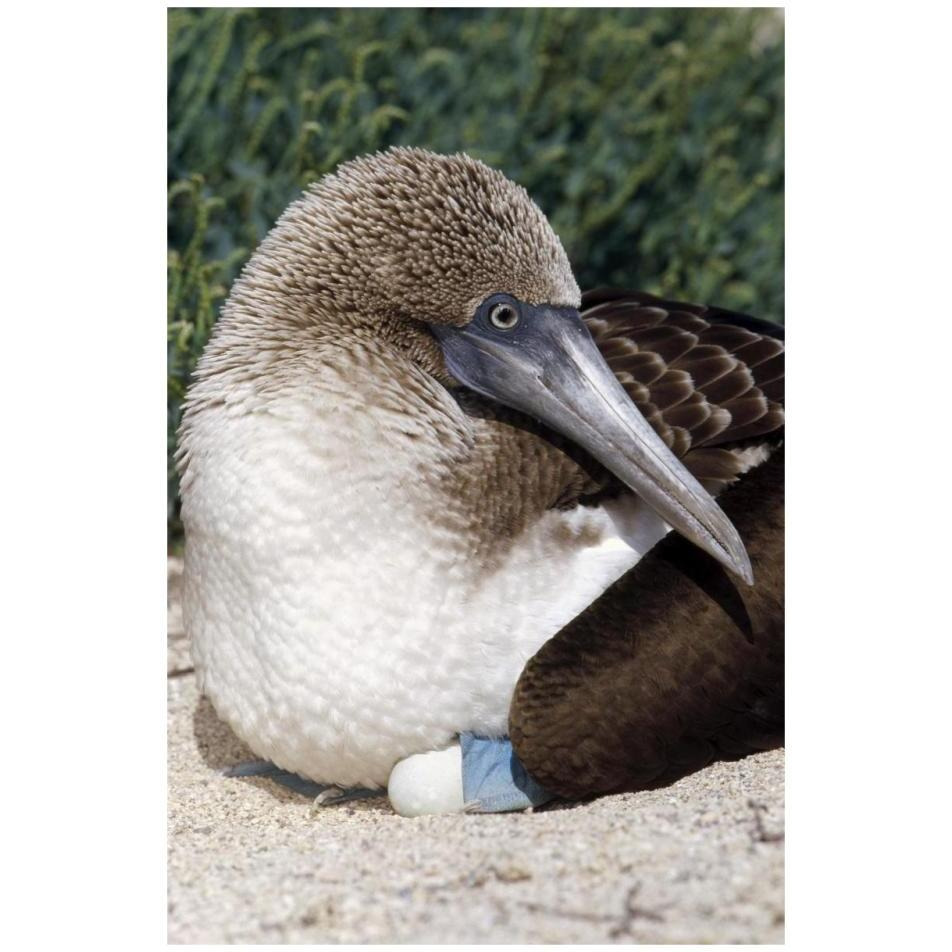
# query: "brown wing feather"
708,380
671,668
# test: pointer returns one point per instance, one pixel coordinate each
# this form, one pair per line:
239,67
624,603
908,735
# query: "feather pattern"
709,381
673,666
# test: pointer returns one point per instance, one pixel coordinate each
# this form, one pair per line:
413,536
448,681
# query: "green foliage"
653,139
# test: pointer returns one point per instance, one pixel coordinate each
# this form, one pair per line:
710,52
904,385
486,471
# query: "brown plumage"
674,665
709,381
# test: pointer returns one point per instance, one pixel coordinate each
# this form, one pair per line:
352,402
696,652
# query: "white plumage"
338,618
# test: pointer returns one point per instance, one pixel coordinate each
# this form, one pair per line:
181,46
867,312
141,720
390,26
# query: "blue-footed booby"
413,453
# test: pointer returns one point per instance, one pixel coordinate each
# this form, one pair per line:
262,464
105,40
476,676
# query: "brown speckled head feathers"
410,234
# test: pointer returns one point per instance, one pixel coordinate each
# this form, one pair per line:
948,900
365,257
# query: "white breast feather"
335,627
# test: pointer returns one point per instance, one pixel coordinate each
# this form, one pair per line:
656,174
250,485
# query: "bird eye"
503,317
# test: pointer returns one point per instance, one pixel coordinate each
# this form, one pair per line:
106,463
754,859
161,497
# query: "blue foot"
323,794
494,780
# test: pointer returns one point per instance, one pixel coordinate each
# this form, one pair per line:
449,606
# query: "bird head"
421,237
457,265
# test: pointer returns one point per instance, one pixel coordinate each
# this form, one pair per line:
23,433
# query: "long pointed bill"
550,367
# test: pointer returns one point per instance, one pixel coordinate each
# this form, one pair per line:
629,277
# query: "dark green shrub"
653,139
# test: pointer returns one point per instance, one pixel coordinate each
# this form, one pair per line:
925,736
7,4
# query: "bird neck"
359,414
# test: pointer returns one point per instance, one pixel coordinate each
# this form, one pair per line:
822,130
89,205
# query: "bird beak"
550,367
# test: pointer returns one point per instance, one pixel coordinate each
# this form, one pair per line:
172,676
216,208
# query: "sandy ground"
250,862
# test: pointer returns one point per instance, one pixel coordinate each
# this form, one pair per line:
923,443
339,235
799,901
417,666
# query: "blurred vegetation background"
652,139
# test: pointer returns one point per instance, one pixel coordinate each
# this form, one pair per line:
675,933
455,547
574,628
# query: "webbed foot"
322,794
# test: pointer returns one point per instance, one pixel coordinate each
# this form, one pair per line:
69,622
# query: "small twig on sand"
761,834
622,922
631,912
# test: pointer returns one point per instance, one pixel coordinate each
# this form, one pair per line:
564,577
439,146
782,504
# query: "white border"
83,480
